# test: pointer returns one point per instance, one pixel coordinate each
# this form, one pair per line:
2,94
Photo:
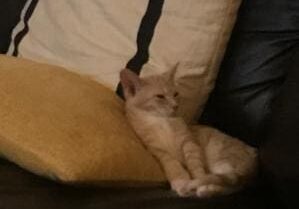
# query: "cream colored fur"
197,160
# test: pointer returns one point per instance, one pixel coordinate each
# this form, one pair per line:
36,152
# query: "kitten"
197,160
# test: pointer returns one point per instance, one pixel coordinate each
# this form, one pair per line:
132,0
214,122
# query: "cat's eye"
160,96
176,94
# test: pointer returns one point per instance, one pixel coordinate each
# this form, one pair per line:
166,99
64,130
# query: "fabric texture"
69,128
99,38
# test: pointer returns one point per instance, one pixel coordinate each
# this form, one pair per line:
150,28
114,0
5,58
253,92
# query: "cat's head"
156,95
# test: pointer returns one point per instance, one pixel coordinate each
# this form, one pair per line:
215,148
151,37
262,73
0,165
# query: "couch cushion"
69,128
99,38
20,189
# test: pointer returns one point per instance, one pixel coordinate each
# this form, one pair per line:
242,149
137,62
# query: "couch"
254,100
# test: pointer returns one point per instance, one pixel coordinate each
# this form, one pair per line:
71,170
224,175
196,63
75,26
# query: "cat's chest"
163,133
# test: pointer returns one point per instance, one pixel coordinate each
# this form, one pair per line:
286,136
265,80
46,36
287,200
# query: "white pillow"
98,38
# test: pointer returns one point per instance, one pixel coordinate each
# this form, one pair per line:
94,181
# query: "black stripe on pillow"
144,38
23,32
9,16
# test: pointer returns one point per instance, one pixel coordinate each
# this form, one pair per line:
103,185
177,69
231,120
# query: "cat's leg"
177,175
194,159
234,169
234,162
210,190
220,182
229,177
235,174
226,170
207,184
229,180
226,157
196,163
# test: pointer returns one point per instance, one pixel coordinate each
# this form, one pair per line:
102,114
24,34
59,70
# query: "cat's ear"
130,82
171,73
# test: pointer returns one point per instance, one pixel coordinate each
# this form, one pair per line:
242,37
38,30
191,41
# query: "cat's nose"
175,106
173,103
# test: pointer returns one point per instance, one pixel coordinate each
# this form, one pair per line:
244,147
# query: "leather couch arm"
254,68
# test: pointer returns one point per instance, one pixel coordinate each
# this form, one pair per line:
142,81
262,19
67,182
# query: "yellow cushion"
67,127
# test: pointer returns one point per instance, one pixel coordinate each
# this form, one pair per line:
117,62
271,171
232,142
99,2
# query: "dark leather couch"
255,99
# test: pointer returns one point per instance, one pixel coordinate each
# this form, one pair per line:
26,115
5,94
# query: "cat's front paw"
209,190
184,187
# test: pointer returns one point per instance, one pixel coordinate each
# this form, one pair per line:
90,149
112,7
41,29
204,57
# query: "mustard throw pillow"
66,127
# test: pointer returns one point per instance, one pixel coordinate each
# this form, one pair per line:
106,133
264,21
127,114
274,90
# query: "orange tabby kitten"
197,160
